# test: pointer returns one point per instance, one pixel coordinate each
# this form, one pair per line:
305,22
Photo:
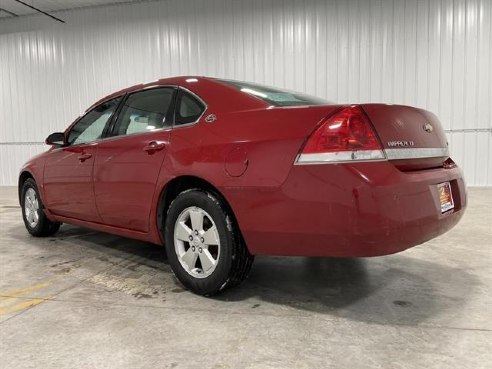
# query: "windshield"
275,96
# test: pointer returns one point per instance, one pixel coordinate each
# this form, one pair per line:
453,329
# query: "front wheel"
35,220
204,246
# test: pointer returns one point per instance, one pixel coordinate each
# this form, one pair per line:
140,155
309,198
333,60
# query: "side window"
189,109
91,126
145,111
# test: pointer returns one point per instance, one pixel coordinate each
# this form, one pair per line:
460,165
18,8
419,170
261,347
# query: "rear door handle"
154,146
83,157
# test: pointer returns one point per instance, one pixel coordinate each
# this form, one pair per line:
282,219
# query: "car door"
68,181
128,164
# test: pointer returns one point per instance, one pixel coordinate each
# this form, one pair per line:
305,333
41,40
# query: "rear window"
275,96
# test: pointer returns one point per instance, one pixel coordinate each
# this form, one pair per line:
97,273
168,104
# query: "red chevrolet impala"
219,171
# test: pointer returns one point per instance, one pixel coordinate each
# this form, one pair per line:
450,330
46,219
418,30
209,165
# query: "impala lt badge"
428,127
400,143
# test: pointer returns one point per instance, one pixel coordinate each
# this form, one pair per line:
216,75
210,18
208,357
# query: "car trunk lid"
412,138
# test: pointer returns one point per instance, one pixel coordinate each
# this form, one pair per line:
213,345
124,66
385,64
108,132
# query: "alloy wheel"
197,242
31,208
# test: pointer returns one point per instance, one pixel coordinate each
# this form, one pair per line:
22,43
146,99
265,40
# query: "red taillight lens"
449,164
347,130
347,135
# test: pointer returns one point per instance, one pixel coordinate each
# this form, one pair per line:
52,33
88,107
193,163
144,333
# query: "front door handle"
83,157
154,146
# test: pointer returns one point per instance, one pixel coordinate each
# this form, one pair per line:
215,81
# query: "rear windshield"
275,96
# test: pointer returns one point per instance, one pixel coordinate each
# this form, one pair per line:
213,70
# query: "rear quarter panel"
269,138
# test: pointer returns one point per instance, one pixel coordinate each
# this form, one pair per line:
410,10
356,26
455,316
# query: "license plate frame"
445,195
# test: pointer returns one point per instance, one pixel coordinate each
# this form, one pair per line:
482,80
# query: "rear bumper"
356,209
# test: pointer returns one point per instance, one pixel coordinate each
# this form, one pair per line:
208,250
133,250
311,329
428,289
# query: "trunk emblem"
428,127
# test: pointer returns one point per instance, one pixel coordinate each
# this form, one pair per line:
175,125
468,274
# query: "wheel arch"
182,183
23,177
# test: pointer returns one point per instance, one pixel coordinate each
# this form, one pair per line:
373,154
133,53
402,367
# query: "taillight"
345,136
449,164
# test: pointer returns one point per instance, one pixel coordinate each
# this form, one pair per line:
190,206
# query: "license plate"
445,196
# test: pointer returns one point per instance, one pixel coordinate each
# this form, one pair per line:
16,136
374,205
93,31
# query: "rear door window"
145,111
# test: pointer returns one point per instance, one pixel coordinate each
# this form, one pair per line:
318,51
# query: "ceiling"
12,8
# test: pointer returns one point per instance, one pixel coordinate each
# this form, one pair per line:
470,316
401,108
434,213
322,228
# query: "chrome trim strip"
340,156
416,153
372,155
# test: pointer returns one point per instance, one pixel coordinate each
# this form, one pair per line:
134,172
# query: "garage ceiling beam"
40,11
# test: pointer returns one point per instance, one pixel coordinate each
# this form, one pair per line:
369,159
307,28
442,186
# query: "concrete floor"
85,299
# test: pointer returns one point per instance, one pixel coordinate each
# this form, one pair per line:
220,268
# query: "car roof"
211,90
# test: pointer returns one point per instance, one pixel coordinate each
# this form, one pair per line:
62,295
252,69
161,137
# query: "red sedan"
219,171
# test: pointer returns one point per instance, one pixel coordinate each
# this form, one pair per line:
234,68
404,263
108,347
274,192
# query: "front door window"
91,127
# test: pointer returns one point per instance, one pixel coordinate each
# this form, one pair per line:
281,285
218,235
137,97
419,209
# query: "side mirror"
56,139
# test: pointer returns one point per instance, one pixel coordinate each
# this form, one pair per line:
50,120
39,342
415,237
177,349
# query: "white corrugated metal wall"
428,53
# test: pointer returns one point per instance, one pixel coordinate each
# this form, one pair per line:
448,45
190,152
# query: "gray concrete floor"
85,299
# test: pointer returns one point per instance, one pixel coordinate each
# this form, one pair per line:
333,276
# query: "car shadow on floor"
396,289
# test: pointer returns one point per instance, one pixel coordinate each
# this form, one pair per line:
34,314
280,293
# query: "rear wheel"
33,215
204,246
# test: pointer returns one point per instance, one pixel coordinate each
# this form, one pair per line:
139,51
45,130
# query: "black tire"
234,261
44,227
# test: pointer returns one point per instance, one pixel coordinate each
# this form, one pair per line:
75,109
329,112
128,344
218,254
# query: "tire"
204,246
33,215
